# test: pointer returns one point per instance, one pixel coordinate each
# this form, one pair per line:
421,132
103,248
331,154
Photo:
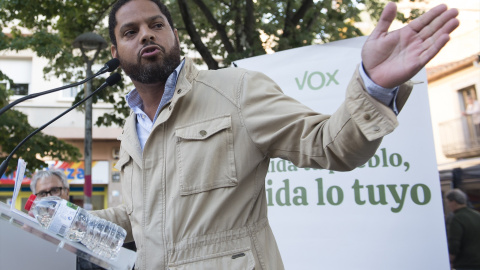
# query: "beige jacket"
195,198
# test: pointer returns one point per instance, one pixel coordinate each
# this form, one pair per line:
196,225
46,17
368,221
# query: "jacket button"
376,128
367,116
203,133
170,107
179,91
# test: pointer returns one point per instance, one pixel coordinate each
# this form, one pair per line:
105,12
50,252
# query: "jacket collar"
129,139
183,87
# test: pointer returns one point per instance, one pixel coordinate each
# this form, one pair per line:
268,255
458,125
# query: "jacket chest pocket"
205,158
125,166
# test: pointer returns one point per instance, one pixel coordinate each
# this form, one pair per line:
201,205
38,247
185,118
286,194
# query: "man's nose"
147,35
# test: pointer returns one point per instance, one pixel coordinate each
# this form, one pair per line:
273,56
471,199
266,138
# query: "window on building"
20,72
471,113
20,89
467,92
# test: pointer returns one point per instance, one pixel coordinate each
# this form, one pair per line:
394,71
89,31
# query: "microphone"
110,66
111,80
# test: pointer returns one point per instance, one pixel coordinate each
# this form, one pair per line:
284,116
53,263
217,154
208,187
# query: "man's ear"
175,32
113,51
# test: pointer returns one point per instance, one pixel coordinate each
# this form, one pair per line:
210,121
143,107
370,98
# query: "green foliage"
54,25
3,91
109,95
14,127
234,28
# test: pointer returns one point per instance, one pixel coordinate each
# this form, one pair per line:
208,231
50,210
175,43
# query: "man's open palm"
392,58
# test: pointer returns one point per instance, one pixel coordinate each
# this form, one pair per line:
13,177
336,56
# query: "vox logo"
316,80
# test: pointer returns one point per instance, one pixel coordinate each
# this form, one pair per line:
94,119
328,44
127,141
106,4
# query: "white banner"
388,214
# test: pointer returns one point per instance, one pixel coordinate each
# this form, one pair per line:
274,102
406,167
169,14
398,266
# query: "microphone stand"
111,80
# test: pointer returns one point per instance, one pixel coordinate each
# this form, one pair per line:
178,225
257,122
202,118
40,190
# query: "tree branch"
238,26
315,16
195,37
249,22
291,22
288,20
306,4
219,27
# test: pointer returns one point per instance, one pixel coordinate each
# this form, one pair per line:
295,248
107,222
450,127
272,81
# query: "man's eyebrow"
150,19
126,25
153,18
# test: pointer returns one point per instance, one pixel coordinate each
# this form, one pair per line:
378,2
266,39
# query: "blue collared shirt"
144,125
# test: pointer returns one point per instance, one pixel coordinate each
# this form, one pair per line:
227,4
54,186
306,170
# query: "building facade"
454,90
453,83
26,71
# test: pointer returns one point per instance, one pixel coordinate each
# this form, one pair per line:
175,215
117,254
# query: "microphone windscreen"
112,64
113,79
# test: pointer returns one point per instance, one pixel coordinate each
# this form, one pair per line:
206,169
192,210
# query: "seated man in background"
50,183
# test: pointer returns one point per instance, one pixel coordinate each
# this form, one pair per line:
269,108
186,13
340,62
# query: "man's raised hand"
392,58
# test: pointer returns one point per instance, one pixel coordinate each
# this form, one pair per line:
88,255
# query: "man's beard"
153,71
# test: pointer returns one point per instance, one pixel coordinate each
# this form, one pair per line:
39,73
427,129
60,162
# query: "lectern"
24,244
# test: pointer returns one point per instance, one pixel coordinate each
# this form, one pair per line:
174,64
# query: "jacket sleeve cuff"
373,118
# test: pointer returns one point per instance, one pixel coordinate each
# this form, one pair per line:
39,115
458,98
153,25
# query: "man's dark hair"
112,19
457,195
